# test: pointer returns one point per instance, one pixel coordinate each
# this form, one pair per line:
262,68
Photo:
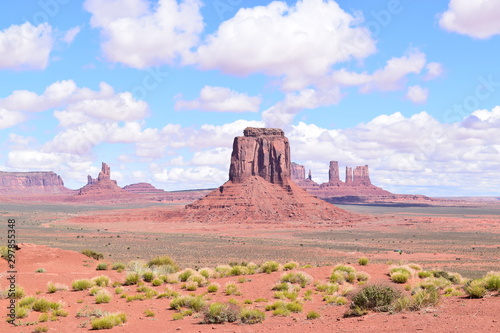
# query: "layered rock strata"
38,182
103,185
260,187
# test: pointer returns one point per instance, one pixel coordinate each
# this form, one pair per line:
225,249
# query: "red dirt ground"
453,314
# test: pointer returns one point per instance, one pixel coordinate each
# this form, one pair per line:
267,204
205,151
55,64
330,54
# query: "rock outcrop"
38,182
103,185
143,188
298,172
357,185
260,186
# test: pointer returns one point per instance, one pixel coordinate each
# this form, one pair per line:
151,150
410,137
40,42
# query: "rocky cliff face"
262,152
31,182
360,176
260,186
333,173
298,171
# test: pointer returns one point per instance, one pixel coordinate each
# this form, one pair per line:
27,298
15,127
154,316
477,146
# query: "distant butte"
260,186
38,182
103,185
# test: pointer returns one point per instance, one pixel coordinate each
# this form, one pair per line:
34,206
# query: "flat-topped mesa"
33,182
263,152
361,176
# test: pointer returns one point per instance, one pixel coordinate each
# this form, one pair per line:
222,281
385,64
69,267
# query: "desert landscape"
257,254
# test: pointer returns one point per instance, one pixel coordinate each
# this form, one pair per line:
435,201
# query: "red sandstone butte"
103,185
143,188
260,187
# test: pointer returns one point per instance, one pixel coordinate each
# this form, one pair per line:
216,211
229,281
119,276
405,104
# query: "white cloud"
190,178
478,19
299,42
26,47
417,94
10,118
221,99
215,156
434,70
70,35
140,35
282,113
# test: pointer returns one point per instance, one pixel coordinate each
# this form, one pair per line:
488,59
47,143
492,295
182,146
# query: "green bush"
102,266
53,287
167,263
475,288
118,266
294,307
93,254
212,288
157,282
41,305
269,267
335,300
148,276
103,296
101,281
300,278
312,315
232,289
376,297
26,301
218,313
109,321
131,279
40,270
363,261
21,311
251,316
185,274
40,329
192,302
177,316
149,313
424,274
82,284
400,276
290,265
492,281
60,313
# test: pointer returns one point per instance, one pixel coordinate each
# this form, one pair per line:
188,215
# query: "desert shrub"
434,283
18,293
231,288
60,313
363,261
291,295
251,316
425,298
252,268
21,311
40,329
218,313
118,290
93,254
212,288
223,270
149,313
343,273
281,286
101,281
415,267
187,312
199,279
170,278
206,272
177,316
312,315
109,321
82,284
238,270
118,266
376,297
425,274
103,296
138,297
344,268
475,288
185,274
400,276
26,301
164,261
102,266
403,303
41,305
328,288
191,286
261,299
248,301
269,267
192,302
290,265
148,276
53,287
335,300
362,276
40,270
157,282
300,278
131,278
94,290
275,305
294,307
492,281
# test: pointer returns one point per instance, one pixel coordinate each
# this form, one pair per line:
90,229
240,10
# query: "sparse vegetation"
192,302
102,266
109,321
218,313
149,313
40,270
374,297
101,281
269,267
40,329
82,284
168,264
363,261
93,254
231,288
312,315
131,279
301,278
103,296
251,316
213,287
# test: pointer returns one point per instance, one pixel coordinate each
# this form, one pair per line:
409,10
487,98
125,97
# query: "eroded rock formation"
298,171
102,185
31,183
260,186
142,188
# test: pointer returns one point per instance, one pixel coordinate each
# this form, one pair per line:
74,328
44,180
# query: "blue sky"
158,89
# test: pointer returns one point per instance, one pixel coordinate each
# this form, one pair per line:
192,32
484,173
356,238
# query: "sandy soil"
453,314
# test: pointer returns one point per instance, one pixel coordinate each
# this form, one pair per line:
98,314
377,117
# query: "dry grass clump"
82,284
269,267
196,303
401,274
108,321
251,316
101,281
363,261
93,254
343,273
53,287
218,313
231,288
290,265
213,287
374,297
102,296
167,264
301,278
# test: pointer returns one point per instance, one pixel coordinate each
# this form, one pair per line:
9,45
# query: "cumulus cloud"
10,118
25,46
140,35
417,94
434,70
221,99
189,178
298,42
478,19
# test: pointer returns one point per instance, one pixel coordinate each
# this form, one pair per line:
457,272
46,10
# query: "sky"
158,89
